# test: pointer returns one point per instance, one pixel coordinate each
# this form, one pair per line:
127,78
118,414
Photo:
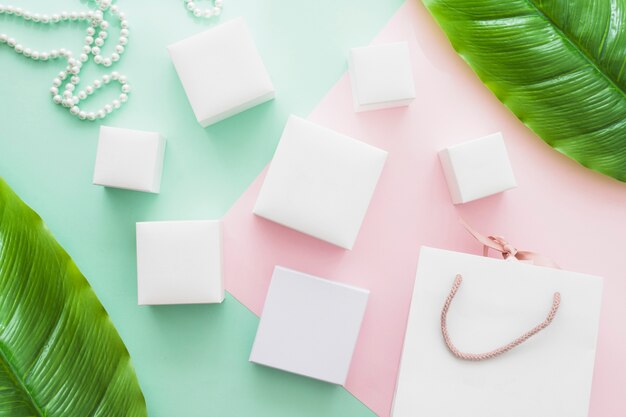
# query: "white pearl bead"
82,95
116,104
45,18
54,91
26,52
67,94
124,32
114,9
36,18
101,114
97,59
44,56
106,79
88,40
197,12
123,23
19,48
218,3
115,75
91,31
123,98
126,88
11,42
64,16
108,108
115,57
73,15
3,38
104,25
62,52
54,54
99,41
57,99
119,49
83,58
107,62
35,55
95,50
190,5
208,13
82,115
122,79
82,16
62,75
75,110
97,83
103,35
123,40
89,90
91,116
56,82
55,18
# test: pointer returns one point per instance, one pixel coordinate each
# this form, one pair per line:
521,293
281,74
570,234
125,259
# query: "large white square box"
221,71
381,76
309,326
320,182
477,169
130,159
497,301
179,262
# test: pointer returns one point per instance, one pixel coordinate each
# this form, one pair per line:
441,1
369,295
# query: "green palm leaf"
559,65
60,355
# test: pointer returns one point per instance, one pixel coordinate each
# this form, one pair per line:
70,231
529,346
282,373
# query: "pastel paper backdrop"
574,215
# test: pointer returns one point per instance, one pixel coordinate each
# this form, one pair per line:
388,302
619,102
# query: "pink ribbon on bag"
508,251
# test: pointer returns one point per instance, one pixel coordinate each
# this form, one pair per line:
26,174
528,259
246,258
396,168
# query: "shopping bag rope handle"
499,351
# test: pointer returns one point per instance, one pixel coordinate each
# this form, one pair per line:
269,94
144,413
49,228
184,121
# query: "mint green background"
191,360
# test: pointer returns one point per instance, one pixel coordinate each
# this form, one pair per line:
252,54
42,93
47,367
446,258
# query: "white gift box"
221,71
130,159
477,169
549,375
381,76
320,182
309,326
179,262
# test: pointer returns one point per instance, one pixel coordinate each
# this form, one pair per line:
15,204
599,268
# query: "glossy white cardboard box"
129,159
381,76
477,168
320,182
309,326
179,262
549,375
221,71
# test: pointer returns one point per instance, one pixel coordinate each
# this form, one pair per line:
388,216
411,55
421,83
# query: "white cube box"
320,182
179,262
381,76
309,326
221,72
477,169
130,159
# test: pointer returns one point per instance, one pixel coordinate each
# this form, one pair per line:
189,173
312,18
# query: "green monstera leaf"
559,65
60,355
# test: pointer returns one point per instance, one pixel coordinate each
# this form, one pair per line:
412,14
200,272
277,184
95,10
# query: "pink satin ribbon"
508,252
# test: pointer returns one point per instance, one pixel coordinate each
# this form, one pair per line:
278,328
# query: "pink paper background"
560,209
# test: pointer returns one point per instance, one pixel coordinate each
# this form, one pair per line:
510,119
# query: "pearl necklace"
206,13
94,41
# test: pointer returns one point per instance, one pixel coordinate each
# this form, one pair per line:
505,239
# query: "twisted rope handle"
499,351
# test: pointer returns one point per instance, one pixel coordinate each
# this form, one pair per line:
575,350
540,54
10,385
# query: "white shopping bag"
549,375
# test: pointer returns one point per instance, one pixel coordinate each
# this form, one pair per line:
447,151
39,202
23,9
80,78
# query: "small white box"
179,262
221,71
477,169
309,326
320,182
381,76
130,159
